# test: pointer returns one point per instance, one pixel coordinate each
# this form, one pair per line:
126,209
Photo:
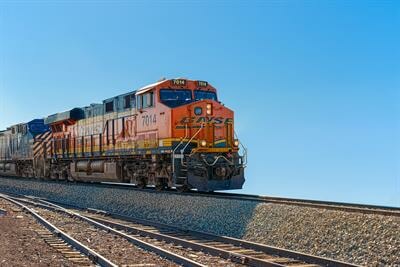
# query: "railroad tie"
148,228
283,260
247,252
66,250
305,265
224,246
139,265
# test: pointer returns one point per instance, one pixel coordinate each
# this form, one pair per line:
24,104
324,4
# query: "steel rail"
145,245
330,205
238,257
230,240
348,207
234,241
92,255
224,253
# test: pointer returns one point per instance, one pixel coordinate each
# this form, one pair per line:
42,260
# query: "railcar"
16,143
172,133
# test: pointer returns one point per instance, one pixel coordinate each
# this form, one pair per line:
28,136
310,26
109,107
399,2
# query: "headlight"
203,143
209,109
236,143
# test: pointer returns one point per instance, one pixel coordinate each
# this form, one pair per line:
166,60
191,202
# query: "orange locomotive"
173,133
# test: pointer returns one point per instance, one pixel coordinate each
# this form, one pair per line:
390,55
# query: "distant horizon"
314,85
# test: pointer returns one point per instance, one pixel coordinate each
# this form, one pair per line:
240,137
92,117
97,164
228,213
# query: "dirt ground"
20,244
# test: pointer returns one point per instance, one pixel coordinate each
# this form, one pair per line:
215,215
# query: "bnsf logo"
216,120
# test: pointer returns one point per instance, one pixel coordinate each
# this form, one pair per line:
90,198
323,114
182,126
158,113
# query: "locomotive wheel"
64,175
54,176
159,187
183,189
141,183
161,184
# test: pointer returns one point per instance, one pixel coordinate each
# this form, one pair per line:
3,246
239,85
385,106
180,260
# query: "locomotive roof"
177,81
145,88
73,114
148,87
88,111
121,95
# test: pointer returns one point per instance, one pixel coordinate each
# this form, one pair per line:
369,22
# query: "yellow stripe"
144,144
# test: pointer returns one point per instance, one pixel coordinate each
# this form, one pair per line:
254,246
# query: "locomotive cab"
209,155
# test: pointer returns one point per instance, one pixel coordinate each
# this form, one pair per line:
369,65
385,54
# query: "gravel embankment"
371,240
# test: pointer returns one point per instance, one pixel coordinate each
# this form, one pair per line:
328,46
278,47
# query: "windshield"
174,98
200,95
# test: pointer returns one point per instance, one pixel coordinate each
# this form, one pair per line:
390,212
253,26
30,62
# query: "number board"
179,82
202,83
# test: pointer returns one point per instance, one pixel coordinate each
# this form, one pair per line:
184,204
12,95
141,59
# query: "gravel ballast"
371,240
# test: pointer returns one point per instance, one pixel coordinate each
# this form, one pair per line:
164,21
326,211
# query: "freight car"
172,133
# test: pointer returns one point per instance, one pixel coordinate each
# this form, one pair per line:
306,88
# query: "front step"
181,173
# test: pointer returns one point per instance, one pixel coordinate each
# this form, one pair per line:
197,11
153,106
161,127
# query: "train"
174,133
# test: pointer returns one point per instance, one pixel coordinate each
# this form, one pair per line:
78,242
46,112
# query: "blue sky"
315,85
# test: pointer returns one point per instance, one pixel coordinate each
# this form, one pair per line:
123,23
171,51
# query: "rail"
342,206
92,255
235,250
178,259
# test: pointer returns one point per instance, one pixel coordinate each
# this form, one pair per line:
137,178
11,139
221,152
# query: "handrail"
244,150
182,150
215,161
173,152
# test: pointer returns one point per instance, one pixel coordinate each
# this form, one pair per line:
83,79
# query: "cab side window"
110,106
129,101
146,100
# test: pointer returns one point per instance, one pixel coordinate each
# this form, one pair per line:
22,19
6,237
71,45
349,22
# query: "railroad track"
115,257
348,207
331,205
72,249
341,206
235,252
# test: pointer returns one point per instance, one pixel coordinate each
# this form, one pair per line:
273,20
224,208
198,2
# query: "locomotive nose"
216,122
